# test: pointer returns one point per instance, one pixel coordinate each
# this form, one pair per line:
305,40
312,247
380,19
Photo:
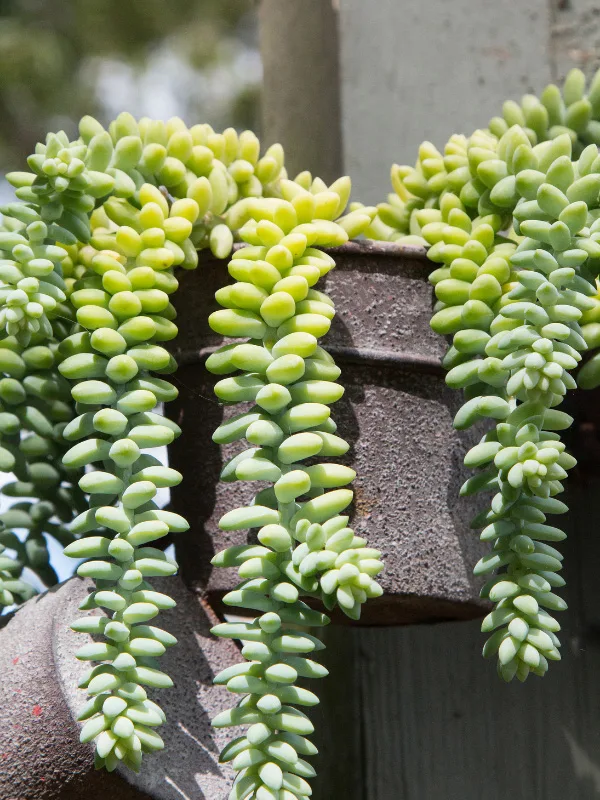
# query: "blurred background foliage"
61,59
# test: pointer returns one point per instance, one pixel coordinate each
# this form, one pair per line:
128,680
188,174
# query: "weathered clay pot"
397,414
40,754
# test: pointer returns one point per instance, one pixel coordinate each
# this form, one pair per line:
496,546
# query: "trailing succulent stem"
510,215
35,403
305,548
536,341
110,364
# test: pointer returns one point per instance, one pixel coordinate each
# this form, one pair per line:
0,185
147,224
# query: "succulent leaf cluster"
69,207
305,549
35,400
12,588
220,171
510,216
536,343
465,166
89,251
486,184
44,496
90,248
112,363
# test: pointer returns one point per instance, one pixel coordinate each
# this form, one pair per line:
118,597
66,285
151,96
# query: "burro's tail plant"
34,399
91,246
47,250
510,214
87,306
111,364
305,549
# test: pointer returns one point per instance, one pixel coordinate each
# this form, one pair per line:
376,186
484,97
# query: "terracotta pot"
397,414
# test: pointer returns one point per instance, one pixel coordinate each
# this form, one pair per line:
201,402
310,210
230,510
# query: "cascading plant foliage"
68,210
305,548
512,216
90,247
89,251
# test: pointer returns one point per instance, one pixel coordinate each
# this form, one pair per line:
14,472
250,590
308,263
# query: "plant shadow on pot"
39,737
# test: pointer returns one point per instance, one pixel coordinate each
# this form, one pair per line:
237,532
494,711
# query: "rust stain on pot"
396,413
363,505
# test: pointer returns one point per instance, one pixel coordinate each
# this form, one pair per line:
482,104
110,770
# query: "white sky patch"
168,85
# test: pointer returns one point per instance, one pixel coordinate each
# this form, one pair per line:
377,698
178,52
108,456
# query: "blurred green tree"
59,60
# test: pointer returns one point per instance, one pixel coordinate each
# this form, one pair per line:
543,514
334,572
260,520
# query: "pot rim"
355,247
372,247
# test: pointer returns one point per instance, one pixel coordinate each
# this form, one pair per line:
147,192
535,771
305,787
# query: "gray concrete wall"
425,70
436,722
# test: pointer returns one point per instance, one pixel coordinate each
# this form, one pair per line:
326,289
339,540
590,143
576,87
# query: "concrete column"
301,97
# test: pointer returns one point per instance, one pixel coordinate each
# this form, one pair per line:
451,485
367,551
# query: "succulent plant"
305,548
510,216
91,247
